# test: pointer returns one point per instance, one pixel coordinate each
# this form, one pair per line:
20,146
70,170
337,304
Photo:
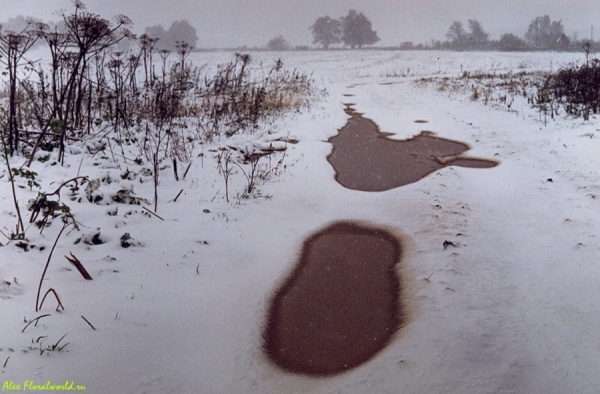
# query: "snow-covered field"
513,308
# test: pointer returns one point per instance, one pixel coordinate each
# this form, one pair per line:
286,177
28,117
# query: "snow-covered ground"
513,308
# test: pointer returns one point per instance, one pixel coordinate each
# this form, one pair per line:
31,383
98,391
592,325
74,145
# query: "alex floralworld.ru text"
31,386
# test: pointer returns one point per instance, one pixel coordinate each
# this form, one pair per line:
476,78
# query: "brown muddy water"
365,159
341,305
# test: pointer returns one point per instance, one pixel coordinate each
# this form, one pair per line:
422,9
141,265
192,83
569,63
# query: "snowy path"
512,309
501,313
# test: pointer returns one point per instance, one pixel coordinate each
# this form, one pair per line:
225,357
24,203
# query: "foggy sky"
234,23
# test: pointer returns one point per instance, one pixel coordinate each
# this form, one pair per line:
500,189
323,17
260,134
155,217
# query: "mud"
366,159
341,305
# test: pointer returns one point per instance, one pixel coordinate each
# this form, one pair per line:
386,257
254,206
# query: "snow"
511,309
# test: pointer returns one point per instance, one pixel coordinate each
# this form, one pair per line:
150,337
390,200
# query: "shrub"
575,88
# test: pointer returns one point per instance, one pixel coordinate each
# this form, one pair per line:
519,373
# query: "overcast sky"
233,23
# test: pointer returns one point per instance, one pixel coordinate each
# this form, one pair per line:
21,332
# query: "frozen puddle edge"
366,159
341,304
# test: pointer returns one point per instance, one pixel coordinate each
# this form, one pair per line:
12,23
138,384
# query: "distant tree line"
278,43
179,32
543,34
354,30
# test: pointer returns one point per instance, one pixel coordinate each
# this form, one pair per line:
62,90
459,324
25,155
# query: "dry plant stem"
11,178
55,346
251,177
37,208
178,194
87,321
51,290
57,191
155,165
79,168
37,299
75,261
153,213
37,145
187,169
225,169
34,321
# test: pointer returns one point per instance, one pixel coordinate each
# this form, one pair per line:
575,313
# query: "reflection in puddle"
366,159
340,306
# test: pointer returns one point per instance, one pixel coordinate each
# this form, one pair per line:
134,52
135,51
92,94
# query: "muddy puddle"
366,159
341,304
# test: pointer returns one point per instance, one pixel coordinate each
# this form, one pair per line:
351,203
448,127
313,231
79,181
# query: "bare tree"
478,37
544,34
457,35
326,31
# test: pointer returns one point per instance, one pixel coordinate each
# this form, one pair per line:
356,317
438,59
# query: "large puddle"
341,305
365,159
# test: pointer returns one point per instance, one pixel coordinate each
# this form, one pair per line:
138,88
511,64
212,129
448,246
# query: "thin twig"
186,170
178,194
11,178
34,320
56,344
75,261
79,169
153,213
60,305
37,299
156,171
88,322
57,191
6,362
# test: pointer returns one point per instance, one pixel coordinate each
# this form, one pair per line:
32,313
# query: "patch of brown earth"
340,306
365,159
